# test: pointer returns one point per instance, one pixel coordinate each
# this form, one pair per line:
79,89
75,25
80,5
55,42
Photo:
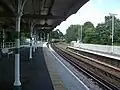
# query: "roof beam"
6,6
39,25
42,17
44,30
30,16
51,5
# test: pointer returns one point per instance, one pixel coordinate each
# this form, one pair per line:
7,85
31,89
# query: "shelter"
40,15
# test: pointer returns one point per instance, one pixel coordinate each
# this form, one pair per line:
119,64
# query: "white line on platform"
68,69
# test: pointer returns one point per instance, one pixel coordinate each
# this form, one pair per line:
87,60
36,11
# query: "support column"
30,56
113,33
44,36
113,17
3,39
47,37
41,37
17,83
78,39
34,44
50,38
36,41
37,36
19,9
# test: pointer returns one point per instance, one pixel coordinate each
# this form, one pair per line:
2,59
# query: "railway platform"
34,73
42,72
109,58
109,55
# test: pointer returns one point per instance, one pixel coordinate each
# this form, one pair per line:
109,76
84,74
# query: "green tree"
72,33
89,33
57,34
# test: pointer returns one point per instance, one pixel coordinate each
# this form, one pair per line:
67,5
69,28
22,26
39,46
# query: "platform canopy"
46,14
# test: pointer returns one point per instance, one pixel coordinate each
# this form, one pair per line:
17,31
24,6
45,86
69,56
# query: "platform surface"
34,73
70,81
55,77
43,72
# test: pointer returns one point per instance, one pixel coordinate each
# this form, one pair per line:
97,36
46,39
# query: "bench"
6,51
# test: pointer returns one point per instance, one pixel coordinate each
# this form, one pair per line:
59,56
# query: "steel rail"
105,84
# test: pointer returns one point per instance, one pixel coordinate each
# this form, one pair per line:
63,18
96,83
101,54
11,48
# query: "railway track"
108,60
89,70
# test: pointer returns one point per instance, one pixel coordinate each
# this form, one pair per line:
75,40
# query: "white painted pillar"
3,38
19,9
112,33
40,37
30,56
34,45
36,39
44,37
17,83
113,17
47,37
50,38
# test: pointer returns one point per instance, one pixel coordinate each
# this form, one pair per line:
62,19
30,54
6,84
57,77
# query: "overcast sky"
93,11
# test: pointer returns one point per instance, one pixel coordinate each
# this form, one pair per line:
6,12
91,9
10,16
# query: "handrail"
11,44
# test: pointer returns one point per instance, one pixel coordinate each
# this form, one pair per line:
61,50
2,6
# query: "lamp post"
81,34
113,17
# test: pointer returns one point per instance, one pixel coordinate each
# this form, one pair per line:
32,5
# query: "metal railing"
11,44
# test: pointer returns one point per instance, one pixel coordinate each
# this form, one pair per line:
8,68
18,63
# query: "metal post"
44,36
40,36
113,15
30,56
17,83
81,35
47,37
3,38
50,39
36,41
112,32
34,44
78,39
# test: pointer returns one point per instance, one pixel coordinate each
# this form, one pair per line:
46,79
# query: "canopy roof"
46,14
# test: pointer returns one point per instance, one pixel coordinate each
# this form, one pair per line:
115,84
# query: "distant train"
57,40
